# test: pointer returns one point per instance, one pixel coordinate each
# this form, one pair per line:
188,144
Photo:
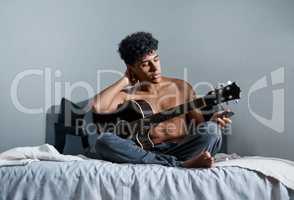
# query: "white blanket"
25,155
280,169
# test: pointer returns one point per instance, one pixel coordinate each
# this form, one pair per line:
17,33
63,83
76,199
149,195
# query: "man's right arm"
109,98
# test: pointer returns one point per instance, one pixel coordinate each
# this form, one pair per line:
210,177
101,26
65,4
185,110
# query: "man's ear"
131,73
131,70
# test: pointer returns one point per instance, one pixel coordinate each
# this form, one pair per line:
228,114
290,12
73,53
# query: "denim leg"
113,148
206,137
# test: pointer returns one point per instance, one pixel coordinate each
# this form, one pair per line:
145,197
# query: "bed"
97,179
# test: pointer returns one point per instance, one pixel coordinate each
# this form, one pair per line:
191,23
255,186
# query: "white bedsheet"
26,155
280,169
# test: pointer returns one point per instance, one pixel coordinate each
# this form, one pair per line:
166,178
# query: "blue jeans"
113,148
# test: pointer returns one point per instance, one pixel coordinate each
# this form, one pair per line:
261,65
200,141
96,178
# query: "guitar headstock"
223,94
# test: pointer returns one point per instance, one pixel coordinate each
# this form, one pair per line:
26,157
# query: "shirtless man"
174,146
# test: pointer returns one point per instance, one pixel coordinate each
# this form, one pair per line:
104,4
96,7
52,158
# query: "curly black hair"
133,47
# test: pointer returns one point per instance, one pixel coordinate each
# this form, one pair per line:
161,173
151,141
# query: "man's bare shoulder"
179,83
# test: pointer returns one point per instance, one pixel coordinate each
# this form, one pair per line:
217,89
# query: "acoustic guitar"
134,118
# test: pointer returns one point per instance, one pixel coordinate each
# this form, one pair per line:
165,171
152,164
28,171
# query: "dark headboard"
63,127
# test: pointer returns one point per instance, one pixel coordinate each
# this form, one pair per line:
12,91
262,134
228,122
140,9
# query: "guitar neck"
176,111
215,97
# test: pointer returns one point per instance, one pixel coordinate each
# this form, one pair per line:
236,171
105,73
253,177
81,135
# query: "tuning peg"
220,85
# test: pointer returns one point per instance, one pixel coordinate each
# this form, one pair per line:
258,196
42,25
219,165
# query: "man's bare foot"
204,160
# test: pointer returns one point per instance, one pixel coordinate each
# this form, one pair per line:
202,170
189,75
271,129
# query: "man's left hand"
220,119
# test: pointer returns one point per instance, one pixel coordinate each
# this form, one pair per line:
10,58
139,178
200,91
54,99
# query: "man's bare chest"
163,100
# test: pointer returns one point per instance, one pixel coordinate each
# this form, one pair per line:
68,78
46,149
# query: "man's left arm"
196,115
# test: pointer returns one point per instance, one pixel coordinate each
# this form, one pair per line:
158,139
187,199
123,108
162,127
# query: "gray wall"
214,40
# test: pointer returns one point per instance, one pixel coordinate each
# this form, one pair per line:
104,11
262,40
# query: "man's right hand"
108,99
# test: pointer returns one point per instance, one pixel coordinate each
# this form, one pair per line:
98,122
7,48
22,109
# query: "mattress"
96,179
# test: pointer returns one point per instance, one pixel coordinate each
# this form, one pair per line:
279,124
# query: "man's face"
148,68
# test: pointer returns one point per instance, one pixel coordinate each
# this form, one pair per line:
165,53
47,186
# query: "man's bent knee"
211,133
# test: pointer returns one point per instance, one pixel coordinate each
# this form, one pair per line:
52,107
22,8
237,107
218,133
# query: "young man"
174,146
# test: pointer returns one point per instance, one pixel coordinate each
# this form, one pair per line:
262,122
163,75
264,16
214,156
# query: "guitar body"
120,122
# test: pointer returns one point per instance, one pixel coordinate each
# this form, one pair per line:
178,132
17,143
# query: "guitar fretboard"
176,111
